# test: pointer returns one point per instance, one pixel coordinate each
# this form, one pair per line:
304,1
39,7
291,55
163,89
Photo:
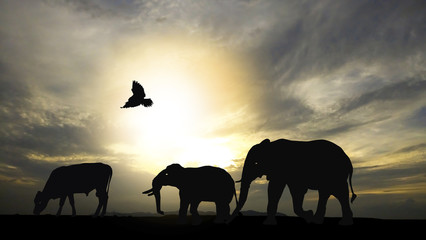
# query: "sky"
223,75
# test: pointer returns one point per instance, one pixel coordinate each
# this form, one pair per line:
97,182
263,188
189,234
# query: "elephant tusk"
149,192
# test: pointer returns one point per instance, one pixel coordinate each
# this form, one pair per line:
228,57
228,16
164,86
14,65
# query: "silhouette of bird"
138,97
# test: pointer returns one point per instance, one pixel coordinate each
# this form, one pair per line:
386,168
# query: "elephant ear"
262,148
265,151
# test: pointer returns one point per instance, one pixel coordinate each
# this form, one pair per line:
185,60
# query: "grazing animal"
64,181
138,97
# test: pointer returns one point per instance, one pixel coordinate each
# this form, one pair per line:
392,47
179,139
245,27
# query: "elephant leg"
275,190
222,212
71,199
321,208
183,210
343,196
298,194
196,219
61,204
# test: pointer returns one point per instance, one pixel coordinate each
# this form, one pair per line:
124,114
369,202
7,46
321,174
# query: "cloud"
417,118
326,36
421,146
349,71
328,68
389,206
398,93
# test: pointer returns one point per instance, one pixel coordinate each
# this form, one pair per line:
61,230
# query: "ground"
52,227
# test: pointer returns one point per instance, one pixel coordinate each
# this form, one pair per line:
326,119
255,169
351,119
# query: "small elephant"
206,183
319,165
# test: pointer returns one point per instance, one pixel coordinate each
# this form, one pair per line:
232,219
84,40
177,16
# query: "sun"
193,84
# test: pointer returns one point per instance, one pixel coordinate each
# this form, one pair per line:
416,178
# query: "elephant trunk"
242,200
158,202
155,190
156,187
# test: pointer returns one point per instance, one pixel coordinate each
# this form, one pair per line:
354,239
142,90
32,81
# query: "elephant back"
211,183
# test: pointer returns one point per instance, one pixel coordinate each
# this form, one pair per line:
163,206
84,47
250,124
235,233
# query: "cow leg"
71,199
98,209
105,203
101,197
61,204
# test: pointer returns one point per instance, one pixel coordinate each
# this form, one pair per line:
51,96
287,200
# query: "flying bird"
138,97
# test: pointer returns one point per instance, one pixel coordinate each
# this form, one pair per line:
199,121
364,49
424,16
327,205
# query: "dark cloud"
27,146
57,140
28,124
324,36
397,92
367,55
102,9
420,147
372,107
391,177
418,118
346,70
282,114
390,205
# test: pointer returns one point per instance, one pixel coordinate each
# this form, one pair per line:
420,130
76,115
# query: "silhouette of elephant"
319,165
206,183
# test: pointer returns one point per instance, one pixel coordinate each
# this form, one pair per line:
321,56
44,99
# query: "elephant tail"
350,184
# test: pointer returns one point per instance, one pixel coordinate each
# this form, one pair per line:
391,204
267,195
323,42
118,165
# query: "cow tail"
350,184
109,180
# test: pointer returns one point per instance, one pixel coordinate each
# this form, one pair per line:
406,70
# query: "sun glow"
193,85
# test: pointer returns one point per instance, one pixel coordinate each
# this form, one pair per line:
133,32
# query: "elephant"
205,183
318,165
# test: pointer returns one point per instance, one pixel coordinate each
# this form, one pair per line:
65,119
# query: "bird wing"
132,102
137,90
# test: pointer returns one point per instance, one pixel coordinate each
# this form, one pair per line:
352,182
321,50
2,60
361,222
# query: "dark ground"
49,227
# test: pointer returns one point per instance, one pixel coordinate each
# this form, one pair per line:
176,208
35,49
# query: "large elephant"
319,165
206,183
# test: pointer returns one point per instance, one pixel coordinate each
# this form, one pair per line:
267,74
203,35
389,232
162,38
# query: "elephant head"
171,176
255,165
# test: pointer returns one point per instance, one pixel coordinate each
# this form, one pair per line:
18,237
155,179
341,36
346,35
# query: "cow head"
40,202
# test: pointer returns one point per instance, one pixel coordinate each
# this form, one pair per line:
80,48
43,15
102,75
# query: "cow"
64,181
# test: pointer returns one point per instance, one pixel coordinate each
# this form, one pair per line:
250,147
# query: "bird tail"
147,102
